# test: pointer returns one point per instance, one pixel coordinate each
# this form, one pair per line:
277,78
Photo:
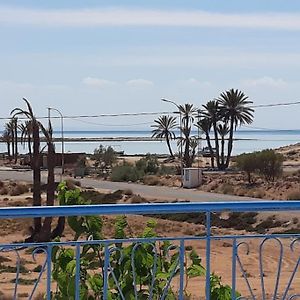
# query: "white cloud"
142,17
265,82
139,83
97,82
195,82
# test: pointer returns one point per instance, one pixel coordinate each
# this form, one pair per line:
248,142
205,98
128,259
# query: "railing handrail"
148,208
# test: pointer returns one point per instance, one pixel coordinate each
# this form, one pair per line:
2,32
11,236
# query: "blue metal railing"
289,290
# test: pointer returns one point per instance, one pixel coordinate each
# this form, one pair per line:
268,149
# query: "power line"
275,104
145,113
99,115
269,129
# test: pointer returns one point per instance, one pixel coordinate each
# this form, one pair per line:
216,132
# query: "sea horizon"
249,140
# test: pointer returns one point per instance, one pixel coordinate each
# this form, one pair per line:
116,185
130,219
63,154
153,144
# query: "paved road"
153,192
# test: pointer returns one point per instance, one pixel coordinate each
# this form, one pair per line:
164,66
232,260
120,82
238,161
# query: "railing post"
208,241
49,274
77,274
105,275
181,260
233,274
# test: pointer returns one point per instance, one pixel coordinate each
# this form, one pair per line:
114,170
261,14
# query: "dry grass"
151,180
294,195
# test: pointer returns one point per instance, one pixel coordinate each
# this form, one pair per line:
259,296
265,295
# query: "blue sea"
247,141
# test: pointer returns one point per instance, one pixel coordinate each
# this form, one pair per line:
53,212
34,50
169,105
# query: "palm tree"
163,129
204,125
187,114
10,129
212,112
26,134
36,161
223,130
235,109
41,232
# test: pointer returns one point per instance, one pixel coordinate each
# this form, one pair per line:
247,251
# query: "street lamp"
180,127
62,138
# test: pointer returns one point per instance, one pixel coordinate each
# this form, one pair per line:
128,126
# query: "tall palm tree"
235,109
212,112
187,114
204,125
36,161
223,130
164,127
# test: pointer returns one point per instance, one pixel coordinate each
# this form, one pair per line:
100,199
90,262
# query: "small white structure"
191,177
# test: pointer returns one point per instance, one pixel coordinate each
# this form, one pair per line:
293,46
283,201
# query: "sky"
106,57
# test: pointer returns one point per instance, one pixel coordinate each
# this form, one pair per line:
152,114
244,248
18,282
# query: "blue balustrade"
287,290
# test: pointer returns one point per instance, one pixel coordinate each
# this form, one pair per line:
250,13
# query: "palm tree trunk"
230,142
29,148
45,234
8,150
212,155
169,146
216,143
36,166
59,229
186,156
16,139
222,152
12,143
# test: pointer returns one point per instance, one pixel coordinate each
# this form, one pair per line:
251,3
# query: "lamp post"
62,138
180,127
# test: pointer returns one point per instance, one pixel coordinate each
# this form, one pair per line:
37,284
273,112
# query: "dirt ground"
221,253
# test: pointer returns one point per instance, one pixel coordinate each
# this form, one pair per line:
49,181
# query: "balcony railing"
278,279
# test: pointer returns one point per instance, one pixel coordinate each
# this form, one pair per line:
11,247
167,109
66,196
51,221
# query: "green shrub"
124,260
148,164
247,162
126,172
167,170
104,157
269,164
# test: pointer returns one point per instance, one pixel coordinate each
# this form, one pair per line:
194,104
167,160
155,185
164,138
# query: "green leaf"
71,267
196,260
195,271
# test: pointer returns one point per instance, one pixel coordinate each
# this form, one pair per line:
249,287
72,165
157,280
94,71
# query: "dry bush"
151,180
18,189
212,186
4,191
295,195
241,192
128,192
1,184
259,193
137,199
227,188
